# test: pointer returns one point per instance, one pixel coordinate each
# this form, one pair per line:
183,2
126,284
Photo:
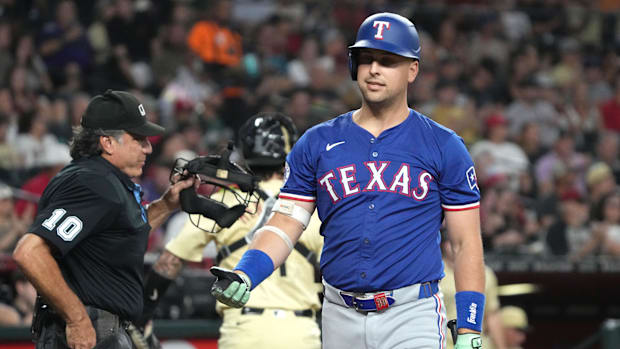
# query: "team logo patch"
380,301
380,25
287,171
472,179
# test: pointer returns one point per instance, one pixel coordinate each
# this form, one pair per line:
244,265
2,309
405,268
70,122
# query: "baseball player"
282,311
383,178
84,252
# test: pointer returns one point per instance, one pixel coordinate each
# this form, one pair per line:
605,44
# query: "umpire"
84,252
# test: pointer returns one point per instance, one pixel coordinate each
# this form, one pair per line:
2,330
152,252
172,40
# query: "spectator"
499,156
582,117
6,38
64,41
299,107
600,181
529,107
171,53
9,156
55,157
529,140
607,151
516,24
455,111
484,87
569,69
19,312
11,226
610,109
487,41
33,140
98,37
26,56
59,123
512,226
569,235
23,96
607,228
131,35
77,106
599,89
214,39
515,326
563,157
300,70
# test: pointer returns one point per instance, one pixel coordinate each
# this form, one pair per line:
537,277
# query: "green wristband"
468,341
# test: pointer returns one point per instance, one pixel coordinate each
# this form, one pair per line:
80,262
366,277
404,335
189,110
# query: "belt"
382,300
104,322
258,311
374,302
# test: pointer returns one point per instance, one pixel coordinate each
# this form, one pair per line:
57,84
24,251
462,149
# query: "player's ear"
413,70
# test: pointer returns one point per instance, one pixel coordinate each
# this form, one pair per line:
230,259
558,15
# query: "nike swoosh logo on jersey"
329,147
153,297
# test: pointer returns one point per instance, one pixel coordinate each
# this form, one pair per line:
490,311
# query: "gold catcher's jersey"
490,293
293,287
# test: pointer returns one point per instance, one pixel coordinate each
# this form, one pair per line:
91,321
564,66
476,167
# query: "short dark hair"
85,141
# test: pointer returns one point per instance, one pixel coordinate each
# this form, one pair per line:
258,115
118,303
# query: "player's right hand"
230,288
468,341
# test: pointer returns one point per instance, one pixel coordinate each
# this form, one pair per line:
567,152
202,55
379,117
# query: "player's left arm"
270,247
464,234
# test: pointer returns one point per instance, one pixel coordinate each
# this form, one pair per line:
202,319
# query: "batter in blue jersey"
383,179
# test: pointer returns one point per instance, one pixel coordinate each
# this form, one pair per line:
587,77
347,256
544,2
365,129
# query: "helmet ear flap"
353,65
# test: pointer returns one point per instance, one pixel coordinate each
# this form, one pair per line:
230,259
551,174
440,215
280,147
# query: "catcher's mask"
217,173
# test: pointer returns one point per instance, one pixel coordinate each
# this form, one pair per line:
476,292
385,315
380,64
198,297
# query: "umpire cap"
119,110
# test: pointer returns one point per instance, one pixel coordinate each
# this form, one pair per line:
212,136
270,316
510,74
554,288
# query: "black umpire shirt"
90,214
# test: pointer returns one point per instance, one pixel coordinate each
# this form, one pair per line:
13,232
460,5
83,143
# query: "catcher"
283,309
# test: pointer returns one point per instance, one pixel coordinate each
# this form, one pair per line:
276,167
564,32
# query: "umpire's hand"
80,334
468,341
230,288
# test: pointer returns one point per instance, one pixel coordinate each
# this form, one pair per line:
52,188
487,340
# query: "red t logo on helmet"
381,25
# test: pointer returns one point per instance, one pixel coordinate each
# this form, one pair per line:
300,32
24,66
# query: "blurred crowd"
532,86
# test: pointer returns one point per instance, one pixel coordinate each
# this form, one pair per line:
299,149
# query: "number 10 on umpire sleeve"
68,229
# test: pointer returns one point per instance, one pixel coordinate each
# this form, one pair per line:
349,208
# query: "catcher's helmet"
266,138
387,32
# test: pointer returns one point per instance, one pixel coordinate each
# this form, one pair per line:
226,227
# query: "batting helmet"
266,138
387,32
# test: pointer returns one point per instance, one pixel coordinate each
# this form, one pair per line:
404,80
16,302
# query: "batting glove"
230,288
468,341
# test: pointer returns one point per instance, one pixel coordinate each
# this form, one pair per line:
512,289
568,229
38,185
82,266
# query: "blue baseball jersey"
381,199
